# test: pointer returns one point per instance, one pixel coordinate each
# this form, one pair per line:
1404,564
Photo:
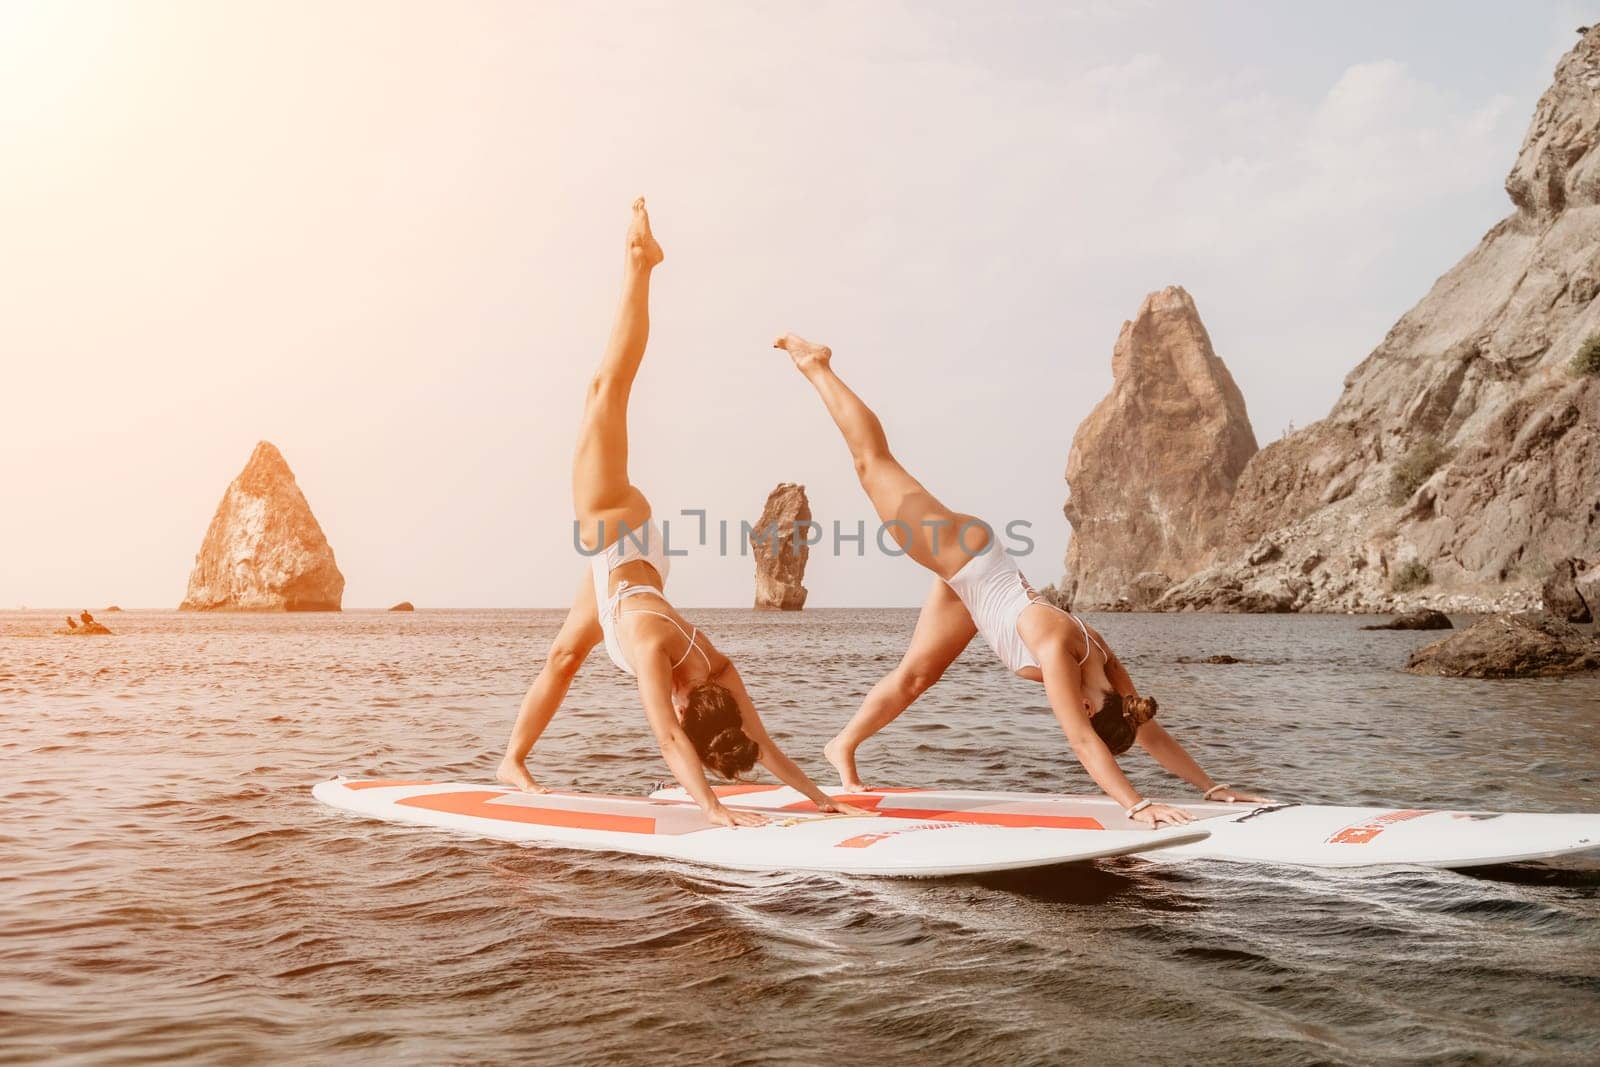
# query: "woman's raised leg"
943,630
603,498
936,537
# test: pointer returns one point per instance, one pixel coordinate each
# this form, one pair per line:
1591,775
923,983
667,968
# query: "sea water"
170,891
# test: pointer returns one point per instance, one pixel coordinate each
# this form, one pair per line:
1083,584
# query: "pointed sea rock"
1154,465
264,550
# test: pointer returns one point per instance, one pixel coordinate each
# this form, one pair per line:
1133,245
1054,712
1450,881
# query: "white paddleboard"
1311,835
677,829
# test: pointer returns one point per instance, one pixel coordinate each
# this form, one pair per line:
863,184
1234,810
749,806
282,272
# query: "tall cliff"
1463,457
264,550
780,555
1153,467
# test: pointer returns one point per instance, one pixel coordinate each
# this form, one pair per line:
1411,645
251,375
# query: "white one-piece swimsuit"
634,546
995,594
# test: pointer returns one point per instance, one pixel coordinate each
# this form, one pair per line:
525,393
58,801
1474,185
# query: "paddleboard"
675,828
1311,835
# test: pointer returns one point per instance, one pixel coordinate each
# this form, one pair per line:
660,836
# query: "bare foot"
844,761
513,773
643,251
807,356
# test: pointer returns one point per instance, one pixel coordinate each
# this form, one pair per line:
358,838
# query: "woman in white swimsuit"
693,697
979,589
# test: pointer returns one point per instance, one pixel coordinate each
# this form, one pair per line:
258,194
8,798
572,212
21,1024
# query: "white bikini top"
635,546
1088,638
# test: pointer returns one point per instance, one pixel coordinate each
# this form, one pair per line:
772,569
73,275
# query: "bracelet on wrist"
1219,787
1137,808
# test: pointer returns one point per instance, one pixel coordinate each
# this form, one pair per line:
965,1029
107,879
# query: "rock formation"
85,629
1529,645
1572,592
264,550
1215,590
780,555
1154,465
404,605
1465,443
1423,619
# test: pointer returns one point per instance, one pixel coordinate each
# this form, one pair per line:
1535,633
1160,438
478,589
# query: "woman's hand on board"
1156,815
1230,795
735,817
839,807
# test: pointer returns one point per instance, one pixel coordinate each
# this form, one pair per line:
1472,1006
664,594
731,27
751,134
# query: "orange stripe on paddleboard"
981,818
379,783
741,790
477,804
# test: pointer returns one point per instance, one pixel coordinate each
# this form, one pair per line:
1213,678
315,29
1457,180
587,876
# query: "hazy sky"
386,237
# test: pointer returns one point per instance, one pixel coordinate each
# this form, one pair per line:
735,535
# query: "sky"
386,236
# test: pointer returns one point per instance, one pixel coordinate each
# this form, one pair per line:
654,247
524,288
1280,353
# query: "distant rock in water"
1572,591
780,555
1423,619
264,550
113,607
404,605
1154,465
1529,645
86,629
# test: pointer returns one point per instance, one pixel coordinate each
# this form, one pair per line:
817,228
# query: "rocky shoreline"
1457,470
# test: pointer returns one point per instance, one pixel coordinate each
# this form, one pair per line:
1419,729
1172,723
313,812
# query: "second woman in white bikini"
693,698
978,589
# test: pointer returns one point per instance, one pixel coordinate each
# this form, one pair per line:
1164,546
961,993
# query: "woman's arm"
1063,685
1154,739
653,667
773,758
1165,749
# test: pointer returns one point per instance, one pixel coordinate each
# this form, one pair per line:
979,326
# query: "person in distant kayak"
979,589
693,698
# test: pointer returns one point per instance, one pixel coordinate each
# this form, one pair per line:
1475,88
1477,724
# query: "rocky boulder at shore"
1465,450
1423,619
1572,591
1154,465
780,555
264,550
1528,645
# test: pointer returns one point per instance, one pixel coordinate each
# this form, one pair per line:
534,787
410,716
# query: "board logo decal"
868,840
1362,832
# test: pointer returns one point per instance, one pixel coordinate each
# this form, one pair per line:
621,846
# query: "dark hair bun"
732,752
712,722
1140,710
1119,718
